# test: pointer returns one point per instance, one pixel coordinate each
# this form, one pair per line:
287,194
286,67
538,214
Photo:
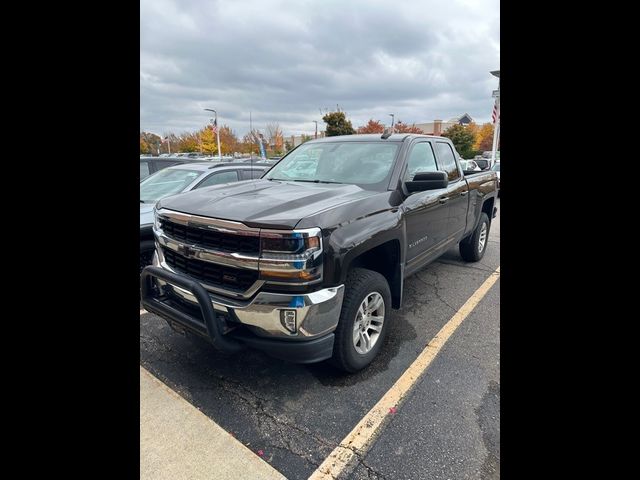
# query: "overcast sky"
285,60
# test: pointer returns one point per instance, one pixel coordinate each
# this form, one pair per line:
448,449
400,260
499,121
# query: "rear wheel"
362,326
473,247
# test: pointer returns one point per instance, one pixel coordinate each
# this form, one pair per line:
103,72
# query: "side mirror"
428,181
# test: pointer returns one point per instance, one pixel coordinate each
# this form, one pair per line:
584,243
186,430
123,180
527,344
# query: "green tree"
463,139
288,145
305,138
337,124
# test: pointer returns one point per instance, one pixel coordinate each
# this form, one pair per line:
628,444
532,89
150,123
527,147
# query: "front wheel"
473,247
363,320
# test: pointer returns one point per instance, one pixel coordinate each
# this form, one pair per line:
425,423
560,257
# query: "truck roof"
374,137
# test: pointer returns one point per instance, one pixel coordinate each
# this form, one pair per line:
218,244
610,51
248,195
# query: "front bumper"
259,322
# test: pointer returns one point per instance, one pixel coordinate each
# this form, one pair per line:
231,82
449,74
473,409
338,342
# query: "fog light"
288,320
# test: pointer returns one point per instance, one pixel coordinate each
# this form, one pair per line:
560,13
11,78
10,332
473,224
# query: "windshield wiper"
312,181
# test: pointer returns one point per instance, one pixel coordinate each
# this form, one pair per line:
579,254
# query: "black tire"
360,282
147,247
470,246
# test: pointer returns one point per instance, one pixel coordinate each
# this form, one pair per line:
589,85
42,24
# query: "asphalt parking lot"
448,427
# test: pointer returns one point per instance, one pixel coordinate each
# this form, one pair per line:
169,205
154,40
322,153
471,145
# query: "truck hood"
265,203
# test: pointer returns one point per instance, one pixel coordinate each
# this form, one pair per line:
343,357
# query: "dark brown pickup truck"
306,262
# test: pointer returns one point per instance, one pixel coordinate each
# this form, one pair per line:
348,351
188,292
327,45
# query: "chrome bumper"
317,313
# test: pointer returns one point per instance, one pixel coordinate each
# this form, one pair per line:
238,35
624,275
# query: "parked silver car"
183,178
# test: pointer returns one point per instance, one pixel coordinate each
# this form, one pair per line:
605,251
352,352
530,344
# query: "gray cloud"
283,60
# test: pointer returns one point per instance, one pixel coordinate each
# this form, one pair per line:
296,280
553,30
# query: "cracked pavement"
297,414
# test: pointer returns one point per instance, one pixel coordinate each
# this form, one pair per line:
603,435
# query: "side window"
144,170
244,174
421,159
248,174
447,161
218,178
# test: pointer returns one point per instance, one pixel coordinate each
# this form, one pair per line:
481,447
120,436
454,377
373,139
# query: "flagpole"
218,137
496,124
217,130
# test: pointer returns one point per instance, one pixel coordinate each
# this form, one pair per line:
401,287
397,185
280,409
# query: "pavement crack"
436,289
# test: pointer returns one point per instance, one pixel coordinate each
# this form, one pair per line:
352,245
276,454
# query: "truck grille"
224,242
221,276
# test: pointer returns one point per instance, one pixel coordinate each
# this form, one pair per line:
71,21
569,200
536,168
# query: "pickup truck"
306,262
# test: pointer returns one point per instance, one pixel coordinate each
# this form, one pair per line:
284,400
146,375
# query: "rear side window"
421,159
447,161
250,174
218,178
144,170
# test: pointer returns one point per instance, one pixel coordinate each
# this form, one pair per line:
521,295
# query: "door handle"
443,199
464,192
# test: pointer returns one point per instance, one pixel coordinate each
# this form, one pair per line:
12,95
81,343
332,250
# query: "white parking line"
342,460
143,311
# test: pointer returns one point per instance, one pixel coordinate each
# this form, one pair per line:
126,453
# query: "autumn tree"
207,141
337,124
188,142
228,140
484,138
152,141
463,139
144,146
372,126
400,127
305,138
274,136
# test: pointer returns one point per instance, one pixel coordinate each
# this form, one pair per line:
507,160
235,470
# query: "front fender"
348,241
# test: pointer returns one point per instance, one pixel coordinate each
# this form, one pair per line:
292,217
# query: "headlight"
291,257
156,220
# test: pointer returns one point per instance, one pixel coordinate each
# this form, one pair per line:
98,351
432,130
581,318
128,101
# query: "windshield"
165,182
367,164
496,167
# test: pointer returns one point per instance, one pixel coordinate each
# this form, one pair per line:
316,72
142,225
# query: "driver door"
426,216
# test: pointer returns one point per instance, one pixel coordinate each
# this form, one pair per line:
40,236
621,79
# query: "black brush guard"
151,300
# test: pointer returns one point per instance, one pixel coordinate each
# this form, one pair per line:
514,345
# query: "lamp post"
496,125
393,118
316,122
217,131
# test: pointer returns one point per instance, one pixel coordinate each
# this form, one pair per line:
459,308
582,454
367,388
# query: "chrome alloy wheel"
368,324
483,237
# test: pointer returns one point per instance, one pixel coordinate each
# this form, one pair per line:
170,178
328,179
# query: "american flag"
494,114
214,127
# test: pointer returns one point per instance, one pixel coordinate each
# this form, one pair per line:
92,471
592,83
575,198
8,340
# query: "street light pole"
393,118
217,131
496,125
316,122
